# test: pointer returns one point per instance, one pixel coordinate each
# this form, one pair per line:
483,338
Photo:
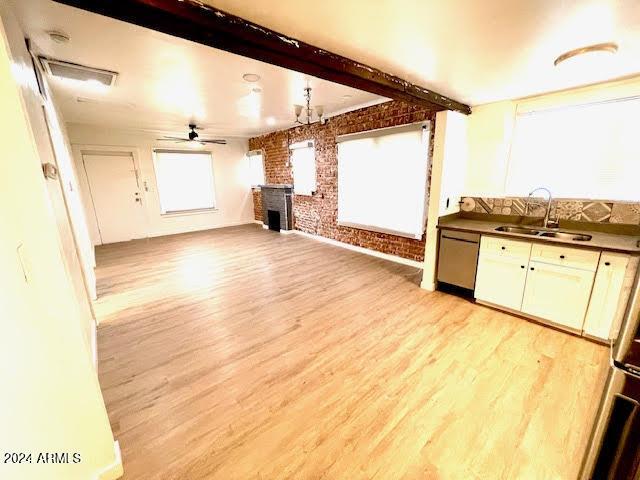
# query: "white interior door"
116,196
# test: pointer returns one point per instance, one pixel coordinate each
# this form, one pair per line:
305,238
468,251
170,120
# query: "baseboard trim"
366,251
259,222
204,228
114,470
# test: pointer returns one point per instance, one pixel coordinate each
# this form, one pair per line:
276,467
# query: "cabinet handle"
503,248
521,266
607,263
532,268
561,256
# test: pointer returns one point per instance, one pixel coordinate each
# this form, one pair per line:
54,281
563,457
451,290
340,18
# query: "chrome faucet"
546,222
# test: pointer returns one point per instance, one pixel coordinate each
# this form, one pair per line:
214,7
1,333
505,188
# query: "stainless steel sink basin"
578,237
520,230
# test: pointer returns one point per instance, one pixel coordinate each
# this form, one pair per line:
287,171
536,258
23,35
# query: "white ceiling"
475,51
164,82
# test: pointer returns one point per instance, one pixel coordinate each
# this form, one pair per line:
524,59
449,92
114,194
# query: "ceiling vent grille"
62,69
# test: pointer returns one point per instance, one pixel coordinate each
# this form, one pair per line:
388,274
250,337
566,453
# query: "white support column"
448,172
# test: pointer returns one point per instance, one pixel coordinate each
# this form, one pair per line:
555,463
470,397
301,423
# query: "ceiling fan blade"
216,141
174,139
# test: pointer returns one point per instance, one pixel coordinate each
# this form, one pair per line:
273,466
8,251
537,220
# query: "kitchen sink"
578,237
520,230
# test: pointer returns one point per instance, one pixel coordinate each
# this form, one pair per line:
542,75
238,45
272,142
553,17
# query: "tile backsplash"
600,211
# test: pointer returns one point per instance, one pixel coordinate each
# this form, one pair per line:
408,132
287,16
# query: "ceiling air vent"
59,68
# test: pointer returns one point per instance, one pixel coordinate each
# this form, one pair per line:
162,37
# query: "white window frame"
191,211
425,131
254,153
297,190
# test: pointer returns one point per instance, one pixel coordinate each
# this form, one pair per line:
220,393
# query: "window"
185,181
303,161
584,151
256,167
382,180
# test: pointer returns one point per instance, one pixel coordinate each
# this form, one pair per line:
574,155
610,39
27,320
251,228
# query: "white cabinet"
606,306
502,271
554,283
557,293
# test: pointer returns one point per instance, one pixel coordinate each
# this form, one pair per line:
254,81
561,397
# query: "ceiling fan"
194,137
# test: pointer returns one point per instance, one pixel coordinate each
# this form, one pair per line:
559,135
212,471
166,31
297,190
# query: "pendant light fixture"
308,110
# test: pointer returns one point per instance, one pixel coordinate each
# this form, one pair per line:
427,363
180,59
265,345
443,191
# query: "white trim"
200,229
265,226
303,144
286,232
114,470
259,222
366,251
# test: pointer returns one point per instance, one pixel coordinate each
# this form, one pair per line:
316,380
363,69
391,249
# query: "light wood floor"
246,354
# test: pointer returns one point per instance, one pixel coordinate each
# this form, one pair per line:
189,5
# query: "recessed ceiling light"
256,90
250,77
608,48
58,37
270,121
347,97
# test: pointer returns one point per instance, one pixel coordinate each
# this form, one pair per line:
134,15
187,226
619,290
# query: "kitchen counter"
599,241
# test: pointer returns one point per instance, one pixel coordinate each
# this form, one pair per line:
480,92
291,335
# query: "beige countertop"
599,241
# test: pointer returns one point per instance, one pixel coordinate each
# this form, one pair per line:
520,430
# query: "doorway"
115,195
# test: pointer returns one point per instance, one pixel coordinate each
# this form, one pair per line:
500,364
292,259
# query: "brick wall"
318,214
257,204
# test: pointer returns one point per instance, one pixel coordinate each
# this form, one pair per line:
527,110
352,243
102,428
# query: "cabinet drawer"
565,256
503,247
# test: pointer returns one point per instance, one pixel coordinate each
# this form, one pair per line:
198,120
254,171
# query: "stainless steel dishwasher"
458,258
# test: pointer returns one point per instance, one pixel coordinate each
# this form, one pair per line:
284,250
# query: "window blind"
184,180
382,180
584,151
303,162
256,167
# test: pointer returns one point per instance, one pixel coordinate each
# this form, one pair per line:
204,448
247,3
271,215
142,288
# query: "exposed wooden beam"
195,21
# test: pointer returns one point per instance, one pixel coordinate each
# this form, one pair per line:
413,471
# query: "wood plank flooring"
241,353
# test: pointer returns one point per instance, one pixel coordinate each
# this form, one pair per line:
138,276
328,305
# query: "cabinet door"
602,315
500,280
558,294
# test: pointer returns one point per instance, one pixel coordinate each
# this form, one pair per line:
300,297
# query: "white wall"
453,148
50,137
51,399
488,143
231,172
